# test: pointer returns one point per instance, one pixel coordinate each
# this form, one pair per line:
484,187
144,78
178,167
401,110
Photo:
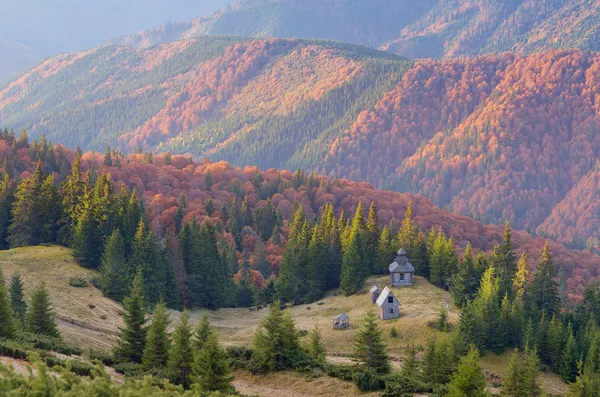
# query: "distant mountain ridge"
416,29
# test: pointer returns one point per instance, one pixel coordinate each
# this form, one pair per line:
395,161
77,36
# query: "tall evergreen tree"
275,342
181,356
158,343
316,348
133,335
351,279
40,318
7,198
294,263
506,263
212,367
439,260
488,305
386,251
17,298
372,238
28,220
115,274
7,321
317,258
180,213
469,379
464,282
369,349
521,380
72,193
543,293
520,279
570,358
202,332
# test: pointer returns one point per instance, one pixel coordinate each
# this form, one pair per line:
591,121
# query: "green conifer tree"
7,321
17,298
351,278
28,220
570,358
543,292
369,349
133,335
469,379
40,318
506,263
316,348
520,280
212,367
439,259
115,274
521,380
202,332
158,343
181,355
411,365
488,305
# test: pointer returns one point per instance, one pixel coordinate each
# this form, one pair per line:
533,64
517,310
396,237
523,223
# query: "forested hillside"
496,137
417,29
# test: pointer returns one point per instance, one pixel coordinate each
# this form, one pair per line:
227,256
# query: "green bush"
133,370
78,282
368,381
343,372
394,332
104,357
400,386
14,349
95,281
240,356
44,342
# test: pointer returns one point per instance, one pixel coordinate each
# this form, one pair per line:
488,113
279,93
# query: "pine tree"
411,366
369,349
521,380
202,332
294,261
17,298
451,267
556,339
439,259
246,213
133,335
212,367
7,198
570,358
543,292
471,327
351,279
86,242
408,231
40,318
469,379
108,157
275,342
464,283
115,275
7,321
72,193
385,252
157,341
316,264
372,238
488,305
506,263
441,324
520,280
180,213
261,262
28,220
181,356
316,349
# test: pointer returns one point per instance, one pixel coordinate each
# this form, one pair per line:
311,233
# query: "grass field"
87,319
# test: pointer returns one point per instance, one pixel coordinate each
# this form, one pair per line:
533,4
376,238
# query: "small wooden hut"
389,306
375,292
341,321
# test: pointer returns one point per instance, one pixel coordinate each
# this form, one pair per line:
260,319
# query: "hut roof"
384,295
374,289
341,317
401,264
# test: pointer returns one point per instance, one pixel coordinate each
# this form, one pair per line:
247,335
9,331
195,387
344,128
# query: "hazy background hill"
417,29
34,29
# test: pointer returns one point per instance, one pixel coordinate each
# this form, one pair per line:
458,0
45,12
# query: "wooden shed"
389,306
402,272
375,292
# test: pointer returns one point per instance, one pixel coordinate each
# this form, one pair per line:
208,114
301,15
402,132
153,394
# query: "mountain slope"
417,29
495,137
48,28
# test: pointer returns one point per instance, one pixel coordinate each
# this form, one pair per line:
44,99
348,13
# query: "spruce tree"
521,379
488,305
506,263
520,280
133,335
351,279
292,272
212,367
556,339
17,298
72,193
469,379
261,262
471,327
180,213
7,198
372,238
441,324
40,318
202,332
317,258
85,241
7,321
439,259
316,349
464,282
369,349
181,356
275,342
570,358
543,293
411,365
28,220
158,343
386,251
115,274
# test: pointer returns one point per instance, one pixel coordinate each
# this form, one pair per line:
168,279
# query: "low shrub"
44,342
240,356
401,386
343,372
133,370
14,349
368,381
78,282
104,357
95,281
394,332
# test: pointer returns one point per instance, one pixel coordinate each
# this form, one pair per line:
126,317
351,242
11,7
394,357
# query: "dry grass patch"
79,323
419,305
